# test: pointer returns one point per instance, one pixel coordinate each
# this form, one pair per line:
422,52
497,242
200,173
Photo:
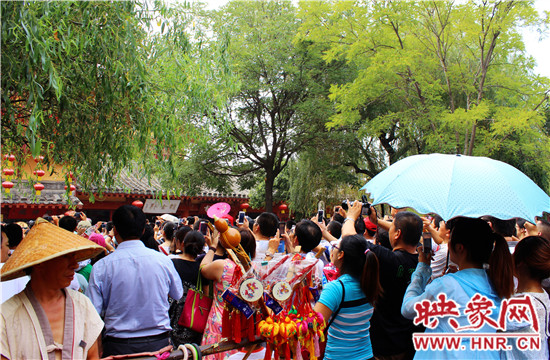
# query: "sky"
536,46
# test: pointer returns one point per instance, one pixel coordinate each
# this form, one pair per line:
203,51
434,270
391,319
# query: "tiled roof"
137,184
53,194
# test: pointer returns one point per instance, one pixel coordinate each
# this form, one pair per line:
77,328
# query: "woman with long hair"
350,300
191,244
532,265
473,246
221,272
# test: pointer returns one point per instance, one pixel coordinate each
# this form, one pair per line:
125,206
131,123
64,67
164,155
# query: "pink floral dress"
213,330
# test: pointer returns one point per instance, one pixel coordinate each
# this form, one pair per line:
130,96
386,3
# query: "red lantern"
10,158
70,176
72,187
39,159
283,207
138,204
8,172
7,185
244,206
40,173
38,187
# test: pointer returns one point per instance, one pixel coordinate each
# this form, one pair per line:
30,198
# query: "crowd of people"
90,290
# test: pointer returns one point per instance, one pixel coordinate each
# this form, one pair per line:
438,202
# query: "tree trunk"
269,180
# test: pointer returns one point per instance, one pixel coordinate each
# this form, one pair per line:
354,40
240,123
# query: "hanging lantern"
72,187
244,206
39,159
10,158
138,204
7,185
70,177
40,173
8,172
38,187
283,207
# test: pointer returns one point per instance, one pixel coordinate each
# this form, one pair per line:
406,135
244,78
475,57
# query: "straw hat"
44,242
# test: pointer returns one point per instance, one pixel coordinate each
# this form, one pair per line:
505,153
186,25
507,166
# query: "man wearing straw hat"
46,320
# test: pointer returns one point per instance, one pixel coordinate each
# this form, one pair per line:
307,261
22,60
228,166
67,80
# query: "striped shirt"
348,336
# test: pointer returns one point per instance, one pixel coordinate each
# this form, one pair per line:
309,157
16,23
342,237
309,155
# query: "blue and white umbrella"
458,185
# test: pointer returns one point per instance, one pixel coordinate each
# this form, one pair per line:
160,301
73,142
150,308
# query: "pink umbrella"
219,209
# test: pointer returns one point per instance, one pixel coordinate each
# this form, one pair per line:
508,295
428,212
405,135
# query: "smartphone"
89,231
320,215
282,225
427,243
203,228
241,217
365,210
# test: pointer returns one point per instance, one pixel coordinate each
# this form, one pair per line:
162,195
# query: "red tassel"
251,328
237,333
276,352
226,324
287,351
267,351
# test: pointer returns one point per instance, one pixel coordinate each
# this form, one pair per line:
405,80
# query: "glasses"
335,247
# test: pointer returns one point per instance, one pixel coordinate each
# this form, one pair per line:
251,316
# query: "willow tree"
76,85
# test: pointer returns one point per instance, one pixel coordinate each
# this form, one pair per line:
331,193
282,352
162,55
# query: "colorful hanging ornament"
10,158
7,185
71,187
244,206
8,173
39,173
38,187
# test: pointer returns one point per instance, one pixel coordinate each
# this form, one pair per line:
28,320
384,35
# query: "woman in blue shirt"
351,299
472,246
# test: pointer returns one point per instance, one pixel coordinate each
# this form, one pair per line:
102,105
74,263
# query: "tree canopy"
323,94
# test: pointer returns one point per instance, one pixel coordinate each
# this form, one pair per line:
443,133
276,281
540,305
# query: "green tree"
433,76
77,86
279,105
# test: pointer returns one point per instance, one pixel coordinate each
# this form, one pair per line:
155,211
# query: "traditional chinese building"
57,195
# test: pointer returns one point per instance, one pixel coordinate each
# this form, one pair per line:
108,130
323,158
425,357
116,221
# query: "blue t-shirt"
348,336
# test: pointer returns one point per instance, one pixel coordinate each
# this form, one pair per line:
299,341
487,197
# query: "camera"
365,210
282,226
203,228
426,243
320,215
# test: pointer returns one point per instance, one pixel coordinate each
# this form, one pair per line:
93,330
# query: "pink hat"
98,239
369,224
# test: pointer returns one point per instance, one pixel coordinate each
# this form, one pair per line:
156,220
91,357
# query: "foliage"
279,104
79,87
434,77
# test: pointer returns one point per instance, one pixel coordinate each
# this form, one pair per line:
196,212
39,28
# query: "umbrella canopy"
458,185
218,209
168,217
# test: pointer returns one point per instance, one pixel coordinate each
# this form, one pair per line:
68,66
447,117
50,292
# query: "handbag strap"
335,314
210,284
198,283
